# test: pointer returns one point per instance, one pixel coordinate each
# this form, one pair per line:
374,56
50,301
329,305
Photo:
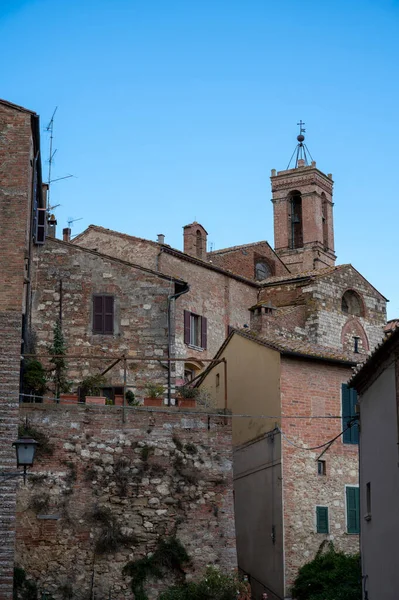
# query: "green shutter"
353,509
349,401
322,519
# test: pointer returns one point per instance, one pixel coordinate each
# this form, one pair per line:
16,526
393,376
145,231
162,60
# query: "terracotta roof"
368,370
239,247
118,260
301,348
16,107
169,250
391,325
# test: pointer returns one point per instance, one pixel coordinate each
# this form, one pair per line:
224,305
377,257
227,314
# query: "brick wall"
314,388
158,474
15,190
242,260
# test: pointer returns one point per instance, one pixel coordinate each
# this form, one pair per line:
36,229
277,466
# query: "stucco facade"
377,384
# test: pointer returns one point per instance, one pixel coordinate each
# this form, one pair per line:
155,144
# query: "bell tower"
303,212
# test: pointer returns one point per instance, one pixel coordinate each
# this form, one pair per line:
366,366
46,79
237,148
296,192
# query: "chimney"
161,238
301,162
195,238
51,224
66,234
263,318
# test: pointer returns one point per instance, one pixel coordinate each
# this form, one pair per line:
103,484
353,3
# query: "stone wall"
314,388
66,277
157,474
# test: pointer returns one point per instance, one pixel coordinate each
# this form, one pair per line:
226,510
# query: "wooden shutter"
322,519
204,336
187,315
353,509
98,314
349,400
108,314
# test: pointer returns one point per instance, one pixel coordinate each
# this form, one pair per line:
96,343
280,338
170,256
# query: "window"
352,509
195,330
322,519
324,209
217,379
351,304
356,344
296,233
349,401
321,467
262,270
103,314
199,243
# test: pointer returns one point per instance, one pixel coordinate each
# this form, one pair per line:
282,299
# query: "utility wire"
315,447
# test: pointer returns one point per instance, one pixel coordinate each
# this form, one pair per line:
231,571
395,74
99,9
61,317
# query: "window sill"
198,348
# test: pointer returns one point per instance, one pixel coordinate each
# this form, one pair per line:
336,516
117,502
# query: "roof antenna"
50,129
71,220
301,149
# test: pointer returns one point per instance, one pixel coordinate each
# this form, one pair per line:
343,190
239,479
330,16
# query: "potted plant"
187,396
154,396
90,388
69,398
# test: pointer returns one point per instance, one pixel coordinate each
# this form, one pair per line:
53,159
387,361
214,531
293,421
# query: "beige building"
377,384
292,490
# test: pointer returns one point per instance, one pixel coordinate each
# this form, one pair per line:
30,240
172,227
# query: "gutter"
170,298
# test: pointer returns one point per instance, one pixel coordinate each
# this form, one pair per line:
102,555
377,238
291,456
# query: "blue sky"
174,111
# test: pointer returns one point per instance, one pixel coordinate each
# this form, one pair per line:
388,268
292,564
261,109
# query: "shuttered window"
349,401
103,314
322,519
195,330
352,510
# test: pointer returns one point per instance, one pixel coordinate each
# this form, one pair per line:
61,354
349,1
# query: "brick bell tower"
303,213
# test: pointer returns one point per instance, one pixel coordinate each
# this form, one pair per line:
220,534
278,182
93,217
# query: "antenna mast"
50,129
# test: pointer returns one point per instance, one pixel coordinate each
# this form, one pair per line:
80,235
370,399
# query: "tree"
330,575
58,350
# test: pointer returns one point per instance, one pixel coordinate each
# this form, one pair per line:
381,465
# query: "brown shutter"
97,314
203,333
187,327
108,314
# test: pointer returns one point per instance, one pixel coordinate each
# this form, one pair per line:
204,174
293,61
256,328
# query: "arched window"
296,230
351,304
199,243
324,208
262,270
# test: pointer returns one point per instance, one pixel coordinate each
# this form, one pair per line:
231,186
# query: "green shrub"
187,391
329,576
130,399
34,377
215,585
170,555
91,386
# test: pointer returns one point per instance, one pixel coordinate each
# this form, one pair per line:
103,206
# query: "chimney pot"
161,238
66,234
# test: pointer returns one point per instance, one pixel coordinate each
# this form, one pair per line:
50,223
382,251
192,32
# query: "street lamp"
25,448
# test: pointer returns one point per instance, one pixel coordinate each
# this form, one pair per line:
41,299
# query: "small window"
352,509
322,519
356,344
350,426
195,330
217,379
351,304
103,314
321,467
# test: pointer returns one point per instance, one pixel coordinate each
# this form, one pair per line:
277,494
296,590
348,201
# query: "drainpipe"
170,298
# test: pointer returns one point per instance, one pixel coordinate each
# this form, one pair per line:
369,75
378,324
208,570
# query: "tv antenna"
50,129
71,220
